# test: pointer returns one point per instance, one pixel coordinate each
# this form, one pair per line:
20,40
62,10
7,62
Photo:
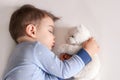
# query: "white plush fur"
76,37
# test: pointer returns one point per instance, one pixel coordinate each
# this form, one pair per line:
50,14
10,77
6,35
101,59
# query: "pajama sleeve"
51,64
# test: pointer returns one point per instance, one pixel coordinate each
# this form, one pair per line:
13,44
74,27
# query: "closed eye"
50,31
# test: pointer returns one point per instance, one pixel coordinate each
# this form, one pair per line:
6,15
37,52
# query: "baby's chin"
50,48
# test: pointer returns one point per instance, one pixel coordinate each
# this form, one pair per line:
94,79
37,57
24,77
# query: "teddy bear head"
77,35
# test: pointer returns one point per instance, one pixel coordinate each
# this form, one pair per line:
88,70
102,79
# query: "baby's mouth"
53,45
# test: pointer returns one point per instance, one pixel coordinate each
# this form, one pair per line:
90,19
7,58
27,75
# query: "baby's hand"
65,56
91,46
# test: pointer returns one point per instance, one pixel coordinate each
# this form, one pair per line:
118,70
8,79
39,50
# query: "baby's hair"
25,15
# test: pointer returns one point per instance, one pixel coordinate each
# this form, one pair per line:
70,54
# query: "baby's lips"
53,44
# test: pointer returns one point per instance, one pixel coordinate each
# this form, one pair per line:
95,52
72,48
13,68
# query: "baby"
33,31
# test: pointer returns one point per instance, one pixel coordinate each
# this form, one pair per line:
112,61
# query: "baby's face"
45,32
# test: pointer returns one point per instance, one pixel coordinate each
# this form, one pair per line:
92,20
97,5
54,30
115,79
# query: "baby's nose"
53,37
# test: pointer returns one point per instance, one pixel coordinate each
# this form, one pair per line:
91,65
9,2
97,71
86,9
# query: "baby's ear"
31,30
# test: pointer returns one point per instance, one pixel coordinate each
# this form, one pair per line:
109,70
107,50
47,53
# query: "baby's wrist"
88,51
84,55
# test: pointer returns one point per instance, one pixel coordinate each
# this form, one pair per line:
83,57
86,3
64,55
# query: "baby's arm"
51,64
90,46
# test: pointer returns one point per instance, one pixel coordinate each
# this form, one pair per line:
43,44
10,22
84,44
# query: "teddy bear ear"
78,28
81,27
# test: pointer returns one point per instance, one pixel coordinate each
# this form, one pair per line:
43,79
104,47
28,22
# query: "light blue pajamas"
33,61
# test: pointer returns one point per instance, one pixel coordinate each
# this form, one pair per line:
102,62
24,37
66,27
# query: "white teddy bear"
76,37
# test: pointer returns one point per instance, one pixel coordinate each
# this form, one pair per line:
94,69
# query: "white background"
102,17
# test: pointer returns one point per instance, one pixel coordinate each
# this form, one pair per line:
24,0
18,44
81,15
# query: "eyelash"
50,31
